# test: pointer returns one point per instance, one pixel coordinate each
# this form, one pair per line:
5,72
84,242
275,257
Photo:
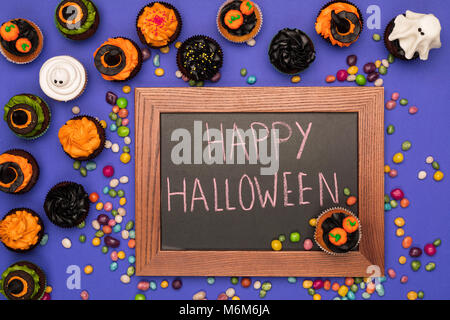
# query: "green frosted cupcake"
23,281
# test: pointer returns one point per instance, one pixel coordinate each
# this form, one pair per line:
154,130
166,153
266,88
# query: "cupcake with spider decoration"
21,41
340,23
239,20
23,280
77,19
338,231
412,35
19,171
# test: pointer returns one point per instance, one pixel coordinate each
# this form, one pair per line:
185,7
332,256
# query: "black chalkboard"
330,152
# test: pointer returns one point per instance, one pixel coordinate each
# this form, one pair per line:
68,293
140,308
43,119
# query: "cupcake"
337,231
67,204
412,35
158,24
291,51
21,230
63,78
118,59
82,138
19,171
23,281
340,23
77,19
199,58
239,20
27,115
21,41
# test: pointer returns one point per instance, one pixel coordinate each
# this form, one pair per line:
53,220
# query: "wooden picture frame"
367,102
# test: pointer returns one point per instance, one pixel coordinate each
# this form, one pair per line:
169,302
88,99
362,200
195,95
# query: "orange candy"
23,45
327,285
335,286
123,113
407,242
247,7
234,19
131,243
349,281
330,79
93,197
351,200
115,109
246,282
107,229
337,236
350,224
404,203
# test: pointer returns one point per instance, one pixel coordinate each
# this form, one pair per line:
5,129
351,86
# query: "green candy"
119,122
81,225
406,145
83,171
123,131
105,249
82,238
311,291
393,203
140,296
437,242
192,83
126,149
403,102
129,225
386,198
430,266
382,70
120,193
266,286
358,280
376,37
114,212
112,193
435,165
354,288
292,279
99,234
420,294
234,280
77,165
391,58
243,72
122,103
262,293
415,265
130,271
200,84
347,191
211,280
44,240
294,237
360,80
390,129
282,238
113,116
91,165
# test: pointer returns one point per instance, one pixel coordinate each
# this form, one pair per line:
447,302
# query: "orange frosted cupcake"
21,230
158,24
19,171
82,138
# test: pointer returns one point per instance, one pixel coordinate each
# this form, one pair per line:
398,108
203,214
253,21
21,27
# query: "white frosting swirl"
62,78
416,32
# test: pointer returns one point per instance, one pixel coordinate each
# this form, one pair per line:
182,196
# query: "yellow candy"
352,70
399,222
411,295
398,157
235,298
276,245
125,158
164,284
307,284
48,289
126,89
159,72
343,291
96,242
165,49
313,222
295,79
438,175
402,260
317,297
103,124
377,63
400,232
387,169
99,206
122,201
88,269
178,44
121,255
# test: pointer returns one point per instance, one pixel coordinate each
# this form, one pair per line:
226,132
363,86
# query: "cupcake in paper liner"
82,138
21,230
158,24
412,35
19,171
28,116
200,58
23,280
21,41
118,59
291,51
338,231
63,78
67,204
239,20
340,23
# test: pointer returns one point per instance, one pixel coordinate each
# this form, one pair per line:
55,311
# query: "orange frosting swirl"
19,231
79,137
25,166
157,23
323,22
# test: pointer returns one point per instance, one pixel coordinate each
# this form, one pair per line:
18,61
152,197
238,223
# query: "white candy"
351,77
422,175
257,285
199,295
178,74
385,63
125,279
118,218
76,110
124,179
121,211
127,140
66,243
125,234
251,42
115,148
230,292
379,82
429,159
95,225
114,183
108,144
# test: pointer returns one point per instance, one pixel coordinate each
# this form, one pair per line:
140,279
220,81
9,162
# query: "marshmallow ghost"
416,32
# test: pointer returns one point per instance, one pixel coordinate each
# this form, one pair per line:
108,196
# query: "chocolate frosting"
201,57
291,51
249,21
26,31
335,221
15,287
67,204
11,172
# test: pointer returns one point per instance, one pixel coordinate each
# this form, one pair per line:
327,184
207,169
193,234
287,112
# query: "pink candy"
393,173
397,194
84,295
125,121
413,110
392,274
114,257
108,206
46,296
341,75
112,223
143,285
395,96
108,171
307,244
430,249
391,104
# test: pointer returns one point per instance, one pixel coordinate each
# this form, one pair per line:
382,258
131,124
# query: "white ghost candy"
417,32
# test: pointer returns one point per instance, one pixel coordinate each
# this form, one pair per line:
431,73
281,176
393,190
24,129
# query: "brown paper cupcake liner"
34,164
320,243
102,134
26,59
240,39
40,234
173,37
40,273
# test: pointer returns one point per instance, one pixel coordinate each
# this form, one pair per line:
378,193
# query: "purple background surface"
424,84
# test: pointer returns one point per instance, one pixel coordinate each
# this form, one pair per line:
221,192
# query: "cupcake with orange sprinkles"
82,138
340,23
158,24
19,171
118,59
338,231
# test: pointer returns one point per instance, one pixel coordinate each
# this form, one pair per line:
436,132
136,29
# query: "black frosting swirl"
26,31
200,57
67,204
291,51
335,221
249,21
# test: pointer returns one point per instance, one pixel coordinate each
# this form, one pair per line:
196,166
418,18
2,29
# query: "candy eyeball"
60,77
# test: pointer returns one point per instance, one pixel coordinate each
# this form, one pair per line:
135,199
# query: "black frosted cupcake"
28,116
291,51
67,204
77,19
199,58
23,280
19,171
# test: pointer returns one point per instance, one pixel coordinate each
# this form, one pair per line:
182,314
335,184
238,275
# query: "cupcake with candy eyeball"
412,35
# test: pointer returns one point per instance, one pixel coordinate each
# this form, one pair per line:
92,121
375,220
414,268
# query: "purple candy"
351,60
111,242
111,98
103,219
369,67
371,77
415,252
146,54
216,77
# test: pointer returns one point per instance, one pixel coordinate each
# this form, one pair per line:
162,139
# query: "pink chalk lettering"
169,194
227,197
250,183
242,143
322,180
272,198
202,197
286,190
301,189
305,137
216,141
216,200
256,140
